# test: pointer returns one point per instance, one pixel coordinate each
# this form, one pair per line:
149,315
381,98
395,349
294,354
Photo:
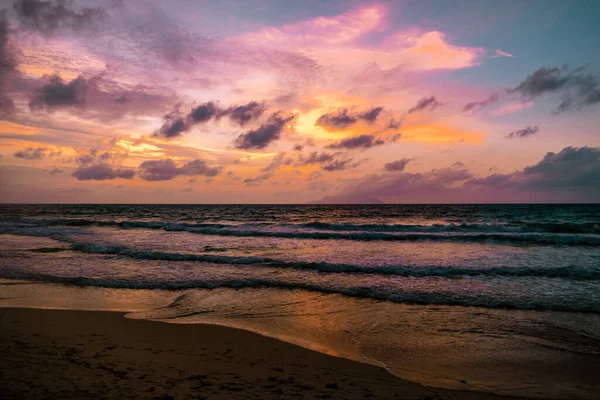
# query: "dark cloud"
576,169
572,174
173,126
56,171
339,165
576,87
31,154
522,133
398,165
371,115
57,93
94,156
246,113
277,161
338,119
101,172
362,141
343,118
97,97
204,112
176,124
480,105
265,134
8,65
393,124
317,158
167,169
258,180
298,147
426,103
49,16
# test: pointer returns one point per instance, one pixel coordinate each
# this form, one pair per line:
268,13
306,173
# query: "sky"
264,101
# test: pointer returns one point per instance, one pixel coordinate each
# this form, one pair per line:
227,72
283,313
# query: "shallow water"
495,298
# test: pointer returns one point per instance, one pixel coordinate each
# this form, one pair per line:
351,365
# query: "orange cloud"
10,127
440,133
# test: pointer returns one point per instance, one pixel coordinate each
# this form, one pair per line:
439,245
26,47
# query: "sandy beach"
86,354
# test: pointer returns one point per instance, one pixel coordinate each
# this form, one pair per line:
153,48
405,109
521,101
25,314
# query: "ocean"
498,298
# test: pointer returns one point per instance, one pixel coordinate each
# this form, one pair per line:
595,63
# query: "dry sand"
50,354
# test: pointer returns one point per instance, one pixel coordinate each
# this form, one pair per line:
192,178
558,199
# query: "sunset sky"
263,101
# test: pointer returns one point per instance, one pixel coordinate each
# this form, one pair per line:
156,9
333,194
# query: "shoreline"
101,354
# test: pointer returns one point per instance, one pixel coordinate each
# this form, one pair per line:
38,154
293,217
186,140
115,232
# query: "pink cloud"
512,108
338,29
500,53
331,41
431,50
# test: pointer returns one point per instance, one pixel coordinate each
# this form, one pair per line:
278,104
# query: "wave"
478,233
417,298
511,227
572,272
515,227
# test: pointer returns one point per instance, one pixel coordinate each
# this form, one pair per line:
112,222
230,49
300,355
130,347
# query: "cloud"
268,132
480,105
31,154
371,115
339,165
512,108
8,65
426,103
176,124
246,113
98,96
392,184
173,126
258,180
572,168
204,112
362,141
397,165
500,53
167,169
56,171
333,30
522,133
576,87
101,172
50,16
572,172
317,158
344,118
431,50
339,119
56,94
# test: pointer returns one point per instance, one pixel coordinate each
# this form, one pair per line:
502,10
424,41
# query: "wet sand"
53,354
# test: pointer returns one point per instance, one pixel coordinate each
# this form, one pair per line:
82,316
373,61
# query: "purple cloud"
397,165
522,133
426,103
265,134
101,172
167,169
362,141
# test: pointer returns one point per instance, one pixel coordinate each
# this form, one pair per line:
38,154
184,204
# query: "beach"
89,354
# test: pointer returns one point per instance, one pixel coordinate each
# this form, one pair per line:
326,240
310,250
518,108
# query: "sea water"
500,298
